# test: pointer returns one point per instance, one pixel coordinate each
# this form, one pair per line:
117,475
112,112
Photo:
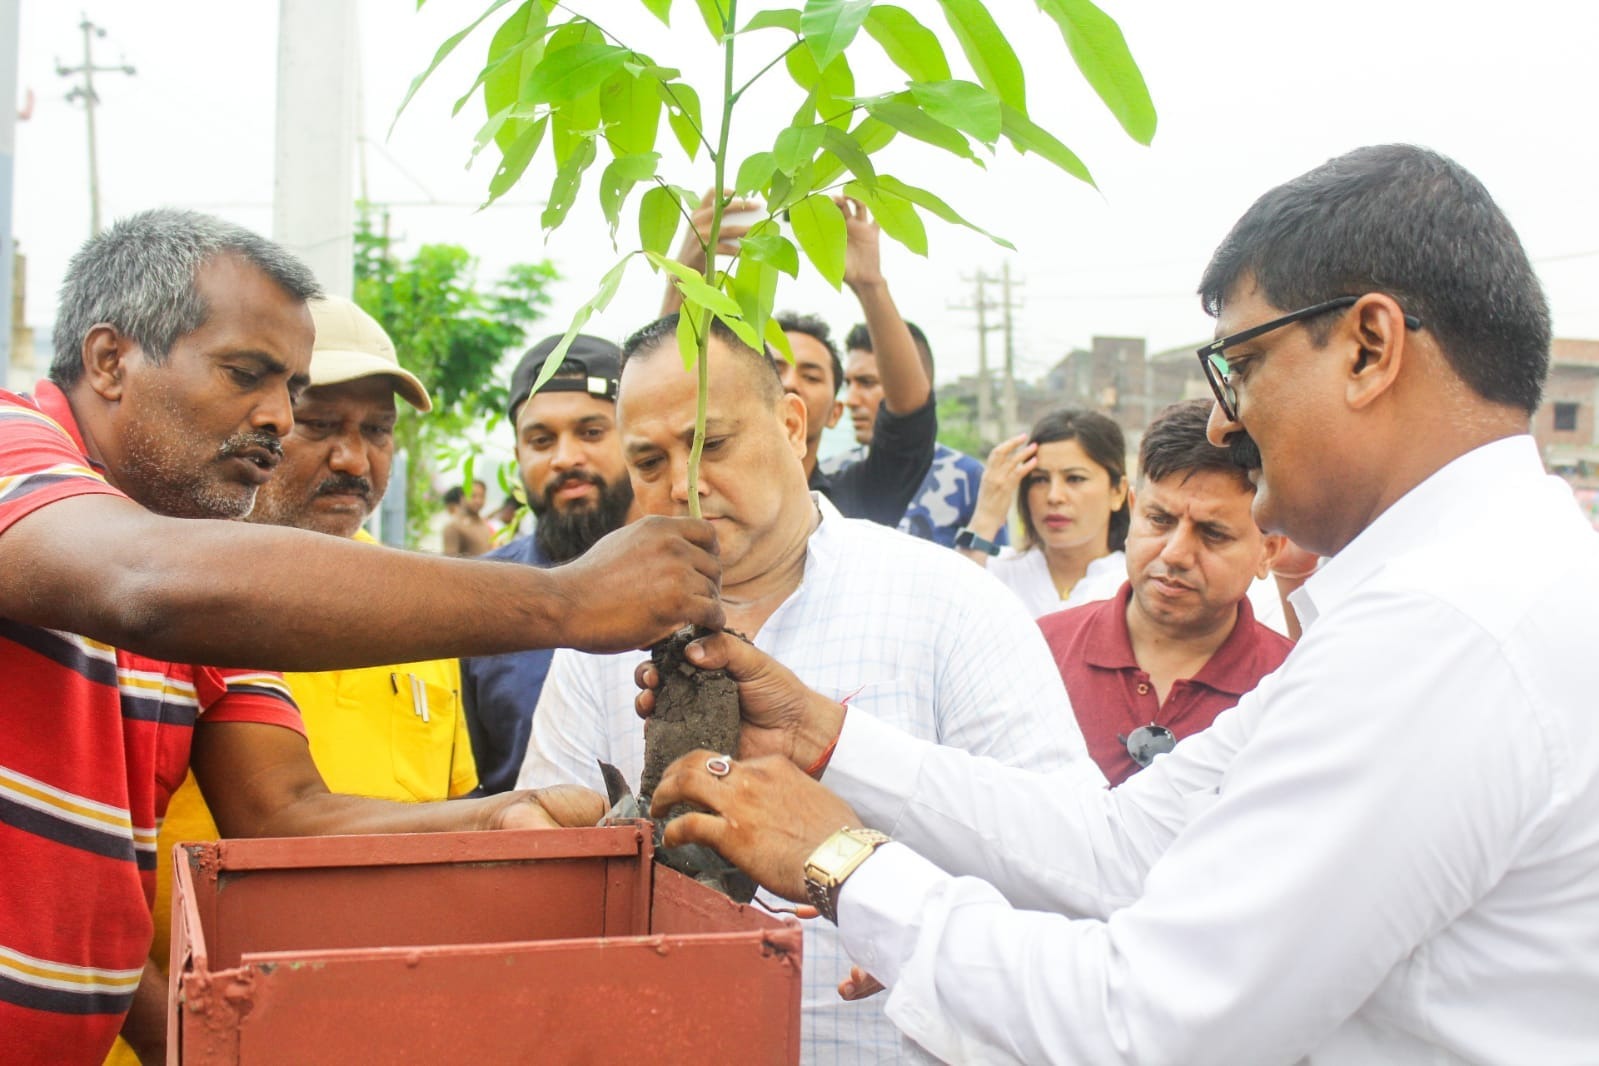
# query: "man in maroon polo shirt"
1179,644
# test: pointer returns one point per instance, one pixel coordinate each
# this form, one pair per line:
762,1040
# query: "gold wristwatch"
834,860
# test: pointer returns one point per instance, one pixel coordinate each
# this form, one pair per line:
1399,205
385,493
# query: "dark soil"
694,708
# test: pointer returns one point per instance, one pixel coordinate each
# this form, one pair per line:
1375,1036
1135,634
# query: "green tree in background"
454,336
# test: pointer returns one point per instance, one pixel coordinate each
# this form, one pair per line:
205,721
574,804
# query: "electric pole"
985,384
1006,305
85,91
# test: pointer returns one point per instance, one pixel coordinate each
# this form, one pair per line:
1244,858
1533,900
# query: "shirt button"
1143,688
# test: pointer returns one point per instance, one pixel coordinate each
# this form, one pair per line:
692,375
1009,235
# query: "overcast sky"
1249,92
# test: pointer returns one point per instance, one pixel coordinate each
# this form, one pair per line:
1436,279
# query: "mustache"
342,484
571,477
1243,451
240,443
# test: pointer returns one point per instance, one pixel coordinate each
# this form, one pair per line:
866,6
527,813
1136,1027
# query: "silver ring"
719,765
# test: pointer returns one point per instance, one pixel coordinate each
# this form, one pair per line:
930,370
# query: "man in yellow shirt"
393,732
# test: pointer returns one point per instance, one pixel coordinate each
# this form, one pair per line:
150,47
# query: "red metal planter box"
558,946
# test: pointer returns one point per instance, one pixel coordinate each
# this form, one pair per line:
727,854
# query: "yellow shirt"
394,732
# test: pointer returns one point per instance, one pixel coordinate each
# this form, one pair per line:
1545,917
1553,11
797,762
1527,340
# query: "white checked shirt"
937,649
1387,853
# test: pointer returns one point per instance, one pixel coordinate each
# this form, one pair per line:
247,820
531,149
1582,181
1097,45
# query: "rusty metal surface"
559,946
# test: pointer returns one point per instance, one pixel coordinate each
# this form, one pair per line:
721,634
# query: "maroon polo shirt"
1113,696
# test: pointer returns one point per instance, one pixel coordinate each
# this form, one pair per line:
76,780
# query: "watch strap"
965,538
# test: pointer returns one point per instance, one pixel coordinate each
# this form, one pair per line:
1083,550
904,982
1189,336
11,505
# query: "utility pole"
85,92
985,384
1009,395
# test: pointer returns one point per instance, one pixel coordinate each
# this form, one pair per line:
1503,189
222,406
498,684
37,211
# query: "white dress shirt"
1388,852
936,649
1026,573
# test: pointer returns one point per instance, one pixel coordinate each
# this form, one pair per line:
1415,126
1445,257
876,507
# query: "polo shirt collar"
53,402
1437,504
1230,668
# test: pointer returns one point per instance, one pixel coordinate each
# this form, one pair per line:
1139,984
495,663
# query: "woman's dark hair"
1102,439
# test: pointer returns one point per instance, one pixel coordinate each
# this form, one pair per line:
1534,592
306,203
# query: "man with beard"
578,489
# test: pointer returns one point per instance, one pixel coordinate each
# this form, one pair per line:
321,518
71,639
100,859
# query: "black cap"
591,365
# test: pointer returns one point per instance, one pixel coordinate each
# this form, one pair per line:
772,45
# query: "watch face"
835,854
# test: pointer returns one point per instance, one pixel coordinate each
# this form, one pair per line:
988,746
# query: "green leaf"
899,112
741,329
830,87
1101,52
778,339
502,87
513,164
715,15
563,193
887,186
963,105
693,287
819,228
896,215
570,126
683,114
991,56
1028,137
754,286
782,19
443,53
631,110
573,72
766,244
618,179
796,145
661,9
844,147
517,36
688,334
871,135
909,45
658,219
608,286
754,174
830,25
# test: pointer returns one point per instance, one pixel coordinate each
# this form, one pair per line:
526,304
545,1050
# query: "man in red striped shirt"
180,345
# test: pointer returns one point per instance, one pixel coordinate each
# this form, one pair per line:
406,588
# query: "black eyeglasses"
1219,374
1148,741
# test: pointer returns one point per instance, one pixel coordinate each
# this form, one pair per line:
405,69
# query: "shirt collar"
1229,669
1438,503
53,402
1107,642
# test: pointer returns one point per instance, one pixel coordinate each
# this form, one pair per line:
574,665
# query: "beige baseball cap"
350,345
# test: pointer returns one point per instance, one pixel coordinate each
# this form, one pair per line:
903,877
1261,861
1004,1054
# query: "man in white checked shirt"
933,647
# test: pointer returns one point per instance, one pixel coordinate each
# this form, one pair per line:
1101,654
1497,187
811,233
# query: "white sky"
1250,92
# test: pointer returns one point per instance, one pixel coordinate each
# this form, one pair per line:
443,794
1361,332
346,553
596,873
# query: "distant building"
1565,427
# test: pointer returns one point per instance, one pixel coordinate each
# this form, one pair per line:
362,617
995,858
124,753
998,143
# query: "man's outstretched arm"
233,594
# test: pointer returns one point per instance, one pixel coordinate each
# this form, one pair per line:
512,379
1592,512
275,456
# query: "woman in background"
1068,478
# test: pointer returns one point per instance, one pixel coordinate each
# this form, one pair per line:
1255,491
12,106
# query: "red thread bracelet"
816,768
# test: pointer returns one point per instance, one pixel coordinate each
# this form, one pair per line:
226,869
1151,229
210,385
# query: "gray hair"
139,276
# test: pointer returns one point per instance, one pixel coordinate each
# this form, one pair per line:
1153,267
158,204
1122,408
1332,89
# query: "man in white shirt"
914,636
1389,851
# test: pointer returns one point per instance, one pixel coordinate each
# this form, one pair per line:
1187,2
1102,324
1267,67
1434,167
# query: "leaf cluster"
559,79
